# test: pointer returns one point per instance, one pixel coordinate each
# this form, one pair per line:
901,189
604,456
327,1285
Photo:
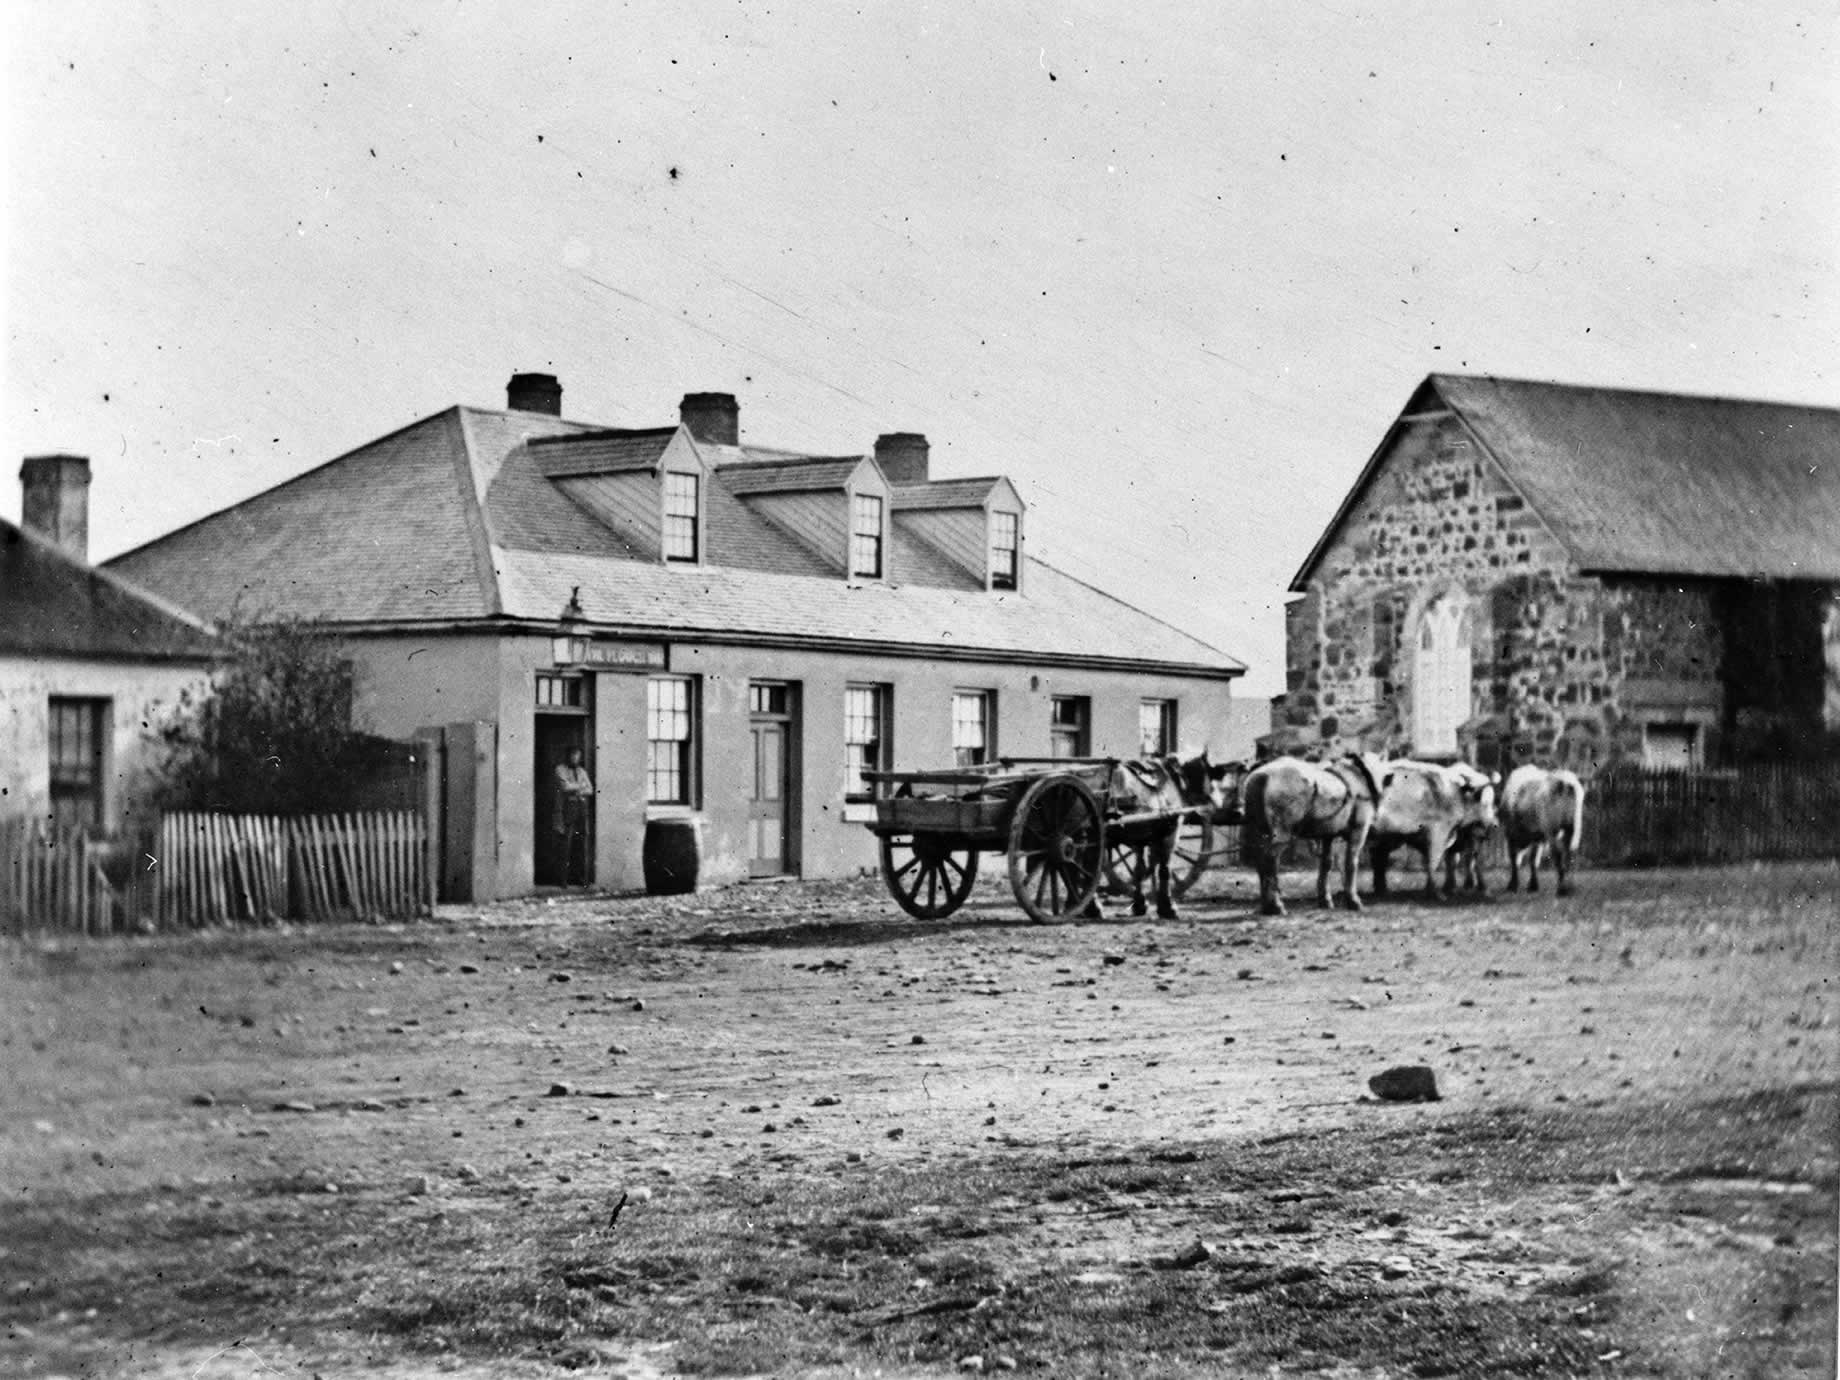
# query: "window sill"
859,812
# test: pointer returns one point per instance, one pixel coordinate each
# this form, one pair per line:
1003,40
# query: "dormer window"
681,497
866,537
1005,533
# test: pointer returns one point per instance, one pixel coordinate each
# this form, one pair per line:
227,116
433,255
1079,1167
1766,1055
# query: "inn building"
732,633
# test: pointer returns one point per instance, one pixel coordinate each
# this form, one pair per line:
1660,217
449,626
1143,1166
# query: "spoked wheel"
1193,852
927,874
1056,848
1126,866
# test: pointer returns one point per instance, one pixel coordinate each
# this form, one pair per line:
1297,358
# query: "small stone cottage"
1533,571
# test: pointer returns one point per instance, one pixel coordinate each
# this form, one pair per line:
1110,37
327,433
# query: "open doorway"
564,845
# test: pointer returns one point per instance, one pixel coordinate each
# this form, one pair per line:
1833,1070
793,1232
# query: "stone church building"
1582,576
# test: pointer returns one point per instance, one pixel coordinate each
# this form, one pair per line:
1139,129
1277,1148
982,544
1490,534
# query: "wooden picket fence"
197,869
1639,816
53,874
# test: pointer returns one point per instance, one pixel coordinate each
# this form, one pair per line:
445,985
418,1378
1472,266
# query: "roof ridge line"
473,514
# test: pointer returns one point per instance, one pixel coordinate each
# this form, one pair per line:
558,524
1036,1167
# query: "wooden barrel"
673,855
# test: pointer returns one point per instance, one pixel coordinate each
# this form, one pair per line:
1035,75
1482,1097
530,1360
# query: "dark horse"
1288,798
1152,797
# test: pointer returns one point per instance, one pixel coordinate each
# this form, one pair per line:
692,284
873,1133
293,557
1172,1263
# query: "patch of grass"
1068,1271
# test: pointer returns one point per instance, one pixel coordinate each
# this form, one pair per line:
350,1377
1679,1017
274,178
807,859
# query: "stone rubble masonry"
1566,666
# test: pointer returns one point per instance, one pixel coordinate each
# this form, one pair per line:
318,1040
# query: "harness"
1333,822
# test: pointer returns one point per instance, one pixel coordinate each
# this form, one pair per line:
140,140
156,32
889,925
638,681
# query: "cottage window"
1156,727
866,720
681,495
1005,542
1070,726
1441,676
866,537
973,724
75,739
670,740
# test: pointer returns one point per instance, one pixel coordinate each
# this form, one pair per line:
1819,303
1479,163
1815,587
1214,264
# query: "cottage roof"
453,520
1656,483
54,605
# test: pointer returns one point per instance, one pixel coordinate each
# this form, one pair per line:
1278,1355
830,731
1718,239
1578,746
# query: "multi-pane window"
670,740
1156,727
866,536
769,697
559,692
972,725
75,737
1005,533
865,737
1441,676
680,514
1070,727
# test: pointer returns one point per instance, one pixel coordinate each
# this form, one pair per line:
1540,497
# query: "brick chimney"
712,417
903,457
56,506
534,393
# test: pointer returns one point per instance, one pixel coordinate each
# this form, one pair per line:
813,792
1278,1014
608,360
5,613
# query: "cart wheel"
928,877
1193,850
1056,848
1121,867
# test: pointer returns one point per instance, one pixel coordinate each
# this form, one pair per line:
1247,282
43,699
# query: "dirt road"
646,1042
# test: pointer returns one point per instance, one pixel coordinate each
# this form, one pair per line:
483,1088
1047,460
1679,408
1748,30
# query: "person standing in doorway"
574,794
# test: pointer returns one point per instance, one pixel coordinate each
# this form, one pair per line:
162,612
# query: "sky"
1173,267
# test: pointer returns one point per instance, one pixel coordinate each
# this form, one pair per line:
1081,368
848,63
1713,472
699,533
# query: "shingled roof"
1653,483
453,520
56,606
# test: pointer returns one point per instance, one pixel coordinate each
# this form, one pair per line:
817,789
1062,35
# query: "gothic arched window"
1441,675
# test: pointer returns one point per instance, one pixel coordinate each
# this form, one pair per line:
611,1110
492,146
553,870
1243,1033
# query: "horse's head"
1204,782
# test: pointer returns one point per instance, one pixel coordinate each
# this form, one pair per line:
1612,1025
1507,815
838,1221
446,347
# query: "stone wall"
1566,667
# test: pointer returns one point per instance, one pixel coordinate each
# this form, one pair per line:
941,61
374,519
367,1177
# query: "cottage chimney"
712,417
903,457
534,393
56,506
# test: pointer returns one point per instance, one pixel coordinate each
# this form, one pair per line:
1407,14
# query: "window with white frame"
973,727
1005,549
681,498
1156,727
670,740
1441,675
866,745
866,536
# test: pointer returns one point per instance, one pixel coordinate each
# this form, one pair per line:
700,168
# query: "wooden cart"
1051,818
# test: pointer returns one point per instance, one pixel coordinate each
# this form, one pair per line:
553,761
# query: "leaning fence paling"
222,869
193,869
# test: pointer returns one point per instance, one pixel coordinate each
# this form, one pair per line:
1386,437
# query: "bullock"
1152,797
1441,812
1288,798
1541,809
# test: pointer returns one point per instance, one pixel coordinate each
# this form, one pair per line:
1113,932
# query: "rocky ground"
659,1048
